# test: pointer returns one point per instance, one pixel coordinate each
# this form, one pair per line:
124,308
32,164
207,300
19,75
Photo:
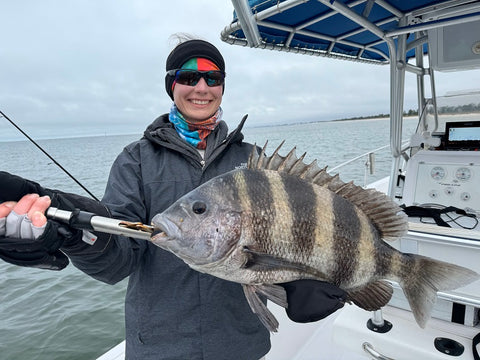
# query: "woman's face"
199,102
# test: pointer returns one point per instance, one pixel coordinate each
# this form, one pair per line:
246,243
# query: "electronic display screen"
462,135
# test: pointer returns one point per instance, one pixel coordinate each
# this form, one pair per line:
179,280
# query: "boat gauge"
438,173
463,174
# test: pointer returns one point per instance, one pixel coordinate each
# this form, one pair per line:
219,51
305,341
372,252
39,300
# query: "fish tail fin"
423,277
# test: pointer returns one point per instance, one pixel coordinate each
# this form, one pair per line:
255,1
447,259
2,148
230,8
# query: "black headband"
189,50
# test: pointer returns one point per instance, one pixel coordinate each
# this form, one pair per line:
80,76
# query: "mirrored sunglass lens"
189,78
192,77
214,78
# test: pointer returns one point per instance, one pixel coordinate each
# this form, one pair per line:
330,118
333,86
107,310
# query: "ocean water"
48,315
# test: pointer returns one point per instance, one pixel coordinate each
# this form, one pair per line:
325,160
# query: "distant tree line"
470,108
405,113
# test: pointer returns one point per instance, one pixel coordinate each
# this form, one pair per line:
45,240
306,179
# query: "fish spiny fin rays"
384,213
373,296
273,293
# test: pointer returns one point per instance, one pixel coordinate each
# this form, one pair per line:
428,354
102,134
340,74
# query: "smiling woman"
171,311
196,87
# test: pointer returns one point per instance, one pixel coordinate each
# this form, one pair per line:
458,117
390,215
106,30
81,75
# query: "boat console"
444,178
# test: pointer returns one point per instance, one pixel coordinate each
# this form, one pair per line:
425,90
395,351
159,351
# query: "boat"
436,172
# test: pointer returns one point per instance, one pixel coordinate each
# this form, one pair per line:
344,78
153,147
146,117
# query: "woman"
172,312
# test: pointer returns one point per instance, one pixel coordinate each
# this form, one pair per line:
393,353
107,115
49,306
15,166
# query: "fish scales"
274,223
347,234
281,220
302,203
290,226
257,200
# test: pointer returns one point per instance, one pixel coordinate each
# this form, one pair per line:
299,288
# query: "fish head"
202,227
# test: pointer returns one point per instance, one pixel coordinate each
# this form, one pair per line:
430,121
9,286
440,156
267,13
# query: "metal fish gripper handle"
88,221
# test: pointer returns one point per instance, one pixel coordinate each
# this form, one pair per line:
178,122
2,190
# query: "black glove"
13,187
44,252
312,300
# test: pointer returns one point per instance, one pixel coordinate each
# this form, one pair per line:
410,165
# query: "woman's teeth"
200,102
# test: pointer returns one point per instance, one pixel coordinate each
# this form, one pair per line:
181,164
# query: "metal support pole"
249,26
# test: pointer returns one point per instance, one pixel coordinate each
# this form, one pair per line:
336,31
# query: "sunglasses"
192,77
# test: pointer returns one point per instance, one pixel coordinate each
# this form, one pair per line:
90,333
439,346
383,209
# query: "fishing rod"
48,155
85,220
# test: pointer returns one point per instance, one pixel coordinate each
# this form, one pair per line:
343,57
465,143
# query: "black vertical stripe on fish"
347,231
383,257
233,188
261,201
302,202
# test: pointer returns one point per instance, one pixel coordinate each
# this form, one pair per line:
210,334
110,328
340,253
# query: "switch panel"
449,178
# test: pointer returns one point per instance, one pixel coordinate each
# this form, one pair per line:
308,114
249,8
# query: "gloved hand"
312,300
44,251
13,187
26,239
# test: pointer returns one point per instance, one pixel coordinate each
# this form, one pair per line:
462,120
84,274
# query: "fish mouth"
164,230
158,235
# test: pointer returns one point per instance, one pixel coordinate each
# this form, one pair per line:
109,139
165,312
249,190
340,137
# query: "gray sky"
81,67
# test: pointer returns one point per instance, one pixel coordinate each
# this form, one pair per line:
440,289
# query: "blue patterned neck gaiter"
194,133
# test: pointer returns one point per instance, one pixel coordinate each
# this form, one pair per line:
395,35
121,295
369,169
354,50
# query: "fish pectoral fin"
372,296
260,308
259,261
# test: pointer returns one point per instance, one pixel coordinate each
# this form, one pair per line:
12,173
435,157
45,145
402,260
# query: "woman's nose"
201,85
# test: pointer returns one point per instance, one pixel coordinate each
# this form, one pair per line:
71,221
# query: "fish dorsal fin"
385,214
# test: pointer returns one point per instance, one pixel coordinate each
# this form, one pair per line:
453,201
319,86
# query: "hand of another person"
44,251
312,300
27,239
24,219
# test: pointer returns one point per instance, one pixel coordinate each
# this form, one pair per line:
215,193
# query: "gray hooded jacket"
172,312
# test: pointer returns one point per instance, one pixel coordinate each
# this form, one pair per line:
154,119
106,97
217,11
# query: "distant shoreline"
408,116
372,117
376,117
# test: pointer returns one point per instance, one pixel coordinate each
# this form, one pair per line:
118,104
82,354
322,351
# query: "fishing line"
47,154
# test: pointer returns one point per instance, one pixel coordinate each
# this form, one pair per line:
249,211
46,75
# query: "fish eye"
199,207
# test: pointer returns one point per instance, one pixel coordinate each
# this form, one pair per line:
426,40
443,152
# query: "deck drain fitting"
449,346
382,329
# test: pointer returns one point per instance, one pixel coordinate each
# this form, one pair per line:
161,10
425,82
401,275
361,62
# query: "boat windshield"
454,106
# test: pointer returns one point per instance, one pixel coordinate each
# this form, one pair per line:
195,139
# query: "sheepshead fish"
281,219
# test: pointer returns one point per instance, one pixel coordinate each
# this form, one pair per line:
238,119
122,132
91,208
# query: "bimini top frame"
369,31
356,30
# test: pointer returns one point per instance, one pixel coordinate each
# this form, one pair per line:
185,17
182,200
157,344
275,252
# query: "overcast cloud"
81,67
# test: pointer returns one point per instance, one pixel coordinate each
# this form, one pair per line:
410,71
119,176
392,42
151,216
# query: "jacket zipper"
215,153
